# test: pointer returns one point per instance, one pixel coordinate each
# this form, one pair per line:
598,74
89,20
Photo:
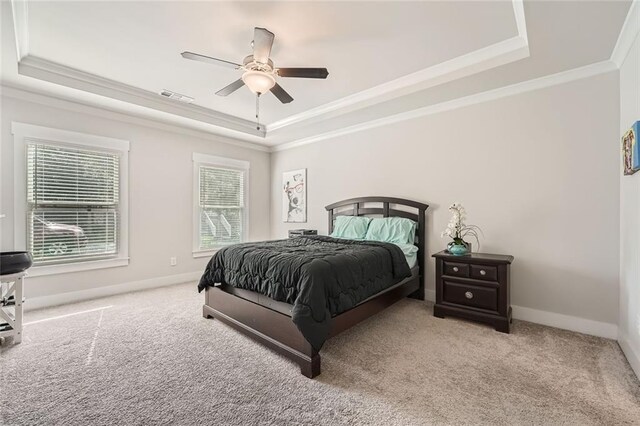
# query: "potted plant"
458,231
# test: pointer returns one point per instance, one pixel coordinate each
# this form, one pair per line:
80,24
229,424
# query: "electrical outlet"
173,261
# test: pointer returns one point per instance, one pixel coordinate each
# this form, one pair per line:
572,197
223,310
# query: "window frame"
24,133
225,163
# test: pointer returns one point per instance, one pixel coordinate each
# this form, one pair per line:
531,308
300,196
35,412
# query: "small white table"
11,307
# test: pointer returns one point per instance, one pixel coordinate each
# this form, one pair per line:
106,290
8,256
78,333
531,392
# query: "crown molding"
150,109
138,116
490,95
20,15
495,55
489,57
521,22
45,70
498,54
46,98
53,72
628,33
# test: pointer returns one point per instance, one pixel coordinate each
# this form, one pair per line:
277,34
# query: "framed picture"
294,196
631,149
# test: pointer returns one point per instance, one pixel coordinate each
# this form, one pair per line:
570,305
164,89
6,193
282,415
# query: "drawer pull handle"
468,295
483,272
455,269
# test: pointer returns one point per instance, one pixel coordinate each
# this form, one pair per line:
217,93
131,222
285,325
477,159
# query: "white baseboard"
430,295
552,319
566,322
93,293
632,356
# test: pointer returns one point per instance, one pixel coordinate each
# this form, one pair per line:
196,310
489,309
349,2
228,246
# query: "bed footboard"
266,326
276,330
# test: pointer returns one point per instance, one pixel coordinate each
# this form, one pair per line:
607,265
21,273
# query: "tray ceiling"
377,53
362,44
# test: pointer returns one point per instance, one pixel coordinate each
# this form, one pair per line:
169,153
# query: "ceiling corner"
628,33
20,14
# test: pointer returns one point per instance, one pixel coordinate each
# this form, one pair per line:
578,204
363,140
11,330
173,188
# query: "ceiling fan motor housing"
250,64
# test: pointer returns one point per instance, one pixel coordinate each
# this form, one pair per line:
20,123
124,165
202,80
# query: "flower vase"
459,247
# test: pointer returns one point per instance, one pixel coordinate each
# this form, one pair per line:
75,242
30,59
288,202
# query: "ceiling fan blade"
262,42
208,59
227,90
280,93
303,72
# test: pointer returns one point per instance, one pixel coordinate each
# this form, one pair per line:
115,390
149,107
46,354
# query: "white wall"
160,196
629,322
536,172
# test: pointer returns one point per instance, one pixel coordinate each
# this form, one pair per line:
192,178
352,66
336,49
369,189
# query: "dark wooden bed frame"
277,331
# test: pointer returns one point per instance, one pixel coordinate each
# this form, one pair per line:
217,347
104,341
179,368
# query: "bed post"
330,221
310,368
266,326
420,293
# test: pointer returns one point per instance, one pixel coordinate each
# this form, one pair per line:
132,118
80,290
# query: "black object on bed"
320,276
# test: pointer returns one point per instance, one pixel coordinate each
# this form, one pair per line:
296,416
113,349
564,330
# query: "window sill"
206,253
38,271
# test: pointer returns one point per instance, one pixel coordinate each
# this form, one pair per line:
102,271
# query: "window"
73,207
72,203
220,214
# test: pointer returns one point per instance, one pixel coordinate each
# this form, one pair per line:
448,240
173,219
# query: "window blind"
222,209
72,203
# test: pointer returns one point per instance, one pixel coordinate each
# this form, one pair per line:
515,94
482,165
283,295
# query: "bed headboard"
362,206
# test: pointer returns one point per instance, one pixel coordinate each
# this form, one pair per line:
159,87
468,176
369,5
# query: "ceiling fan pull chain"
258,111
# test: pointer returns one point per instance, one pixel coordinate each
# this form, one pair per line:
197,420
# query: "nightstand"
475,287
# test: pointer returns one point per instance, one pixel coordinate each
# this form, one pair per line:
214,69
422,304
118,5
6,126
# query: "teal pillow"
392,230
351,227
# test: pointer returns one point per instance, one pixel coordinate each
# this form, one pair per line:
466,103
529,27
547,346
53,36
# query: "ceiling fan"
259,72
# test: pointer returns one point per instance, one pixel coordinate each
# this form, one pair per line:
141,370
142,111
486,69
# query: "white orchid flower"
457,229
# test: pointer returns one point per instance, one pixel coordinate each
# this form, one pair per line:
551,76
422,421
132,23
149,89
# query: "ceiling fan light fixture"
258,82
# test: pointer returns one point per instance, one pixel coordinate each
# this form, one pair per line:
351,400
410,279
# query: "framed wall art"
294,196
631,149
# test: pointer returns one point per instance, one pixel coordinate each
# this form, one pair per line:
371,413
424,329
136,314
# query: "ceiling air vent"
176,96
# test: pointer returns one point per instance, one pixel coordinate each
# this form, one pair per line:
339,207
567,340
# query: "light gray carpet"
152,359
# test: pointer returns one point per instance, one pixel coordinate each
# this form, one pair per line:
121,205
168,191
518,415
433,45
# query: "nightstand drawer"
456,269
484,272
470,295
